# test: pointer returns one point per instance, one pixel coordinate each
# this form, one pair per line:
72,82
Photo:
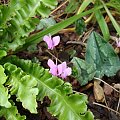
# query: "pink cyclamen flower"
118,42
53,67
60,70
51,42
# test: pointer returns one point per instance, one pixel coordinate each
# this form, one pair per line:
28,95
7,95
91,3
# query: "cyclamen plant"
60,70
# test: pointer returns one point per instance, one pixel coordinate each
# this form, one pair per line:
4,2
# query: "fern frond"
11,113
3,53
23,86
65,104
3,91
21,20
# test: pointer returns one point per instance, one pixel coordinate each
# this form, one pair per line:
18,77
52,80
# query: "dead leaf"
98,92
107,89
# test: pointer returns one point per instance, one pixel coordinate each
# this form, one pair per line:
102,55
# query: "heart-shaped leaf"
101,55
83,71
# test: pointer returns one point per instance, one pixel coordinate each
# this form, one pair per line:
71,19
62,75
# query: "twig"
106,107
53,56
118,103
67,30
76,42
107,84
87,34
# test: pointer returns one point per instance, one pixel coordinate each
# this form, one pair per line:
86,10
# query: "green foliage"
20,20
101,55
80,26
115,4
114,22
23,86
65,104
103,25
83,71
11,113
54,29
72,6
100,60
3,91
2,53
46,23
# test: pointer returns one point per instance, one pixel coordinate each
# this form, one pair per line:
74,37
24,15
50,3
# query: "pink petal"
118,42
51,63
53,70
68,71
60,70
63,75
62,67
48,40
56,40
53,67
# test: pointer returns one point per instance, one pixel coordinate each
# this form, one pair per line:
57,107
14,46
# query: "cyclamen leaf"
23,86
11,113
80,26
45,23
83,71
101,55
65,104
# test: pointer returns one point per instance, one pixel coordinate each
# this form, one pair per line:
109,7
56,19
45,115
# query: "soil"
63,49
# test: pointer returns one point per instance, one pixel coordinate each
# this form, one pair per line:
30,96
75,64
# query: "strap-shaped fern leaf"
21,20
65,104
3,91
23,86
11,113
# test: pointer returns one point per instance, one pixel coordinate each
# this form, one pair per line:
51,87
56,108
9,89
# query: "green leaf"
83,71
32,48
83,6
65,104
80,26
20,21
114,22
11,113
46,23
4,97
101,55
72,6
3,91
115,4
54,29
3,53
3,77
103,25
23,86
